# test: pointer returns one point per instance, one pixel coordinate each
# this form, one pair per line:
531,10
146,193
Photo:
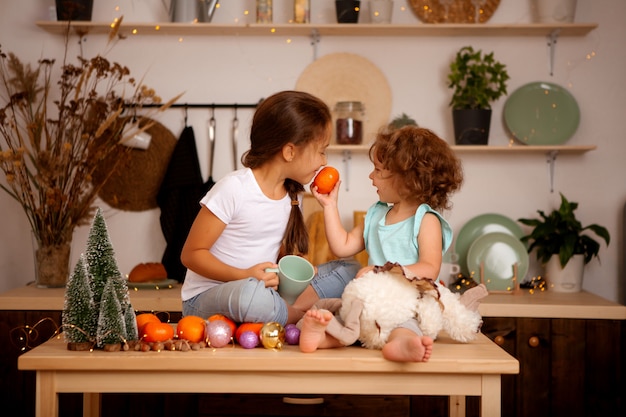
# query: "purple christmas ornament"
248,339
292,334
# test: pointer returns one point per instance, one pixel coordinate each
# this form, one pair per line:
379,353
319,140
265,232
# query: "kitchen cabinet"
568,367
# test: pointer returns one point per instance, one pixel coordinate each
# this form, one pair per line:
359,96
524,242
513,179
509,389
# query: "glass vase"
51,264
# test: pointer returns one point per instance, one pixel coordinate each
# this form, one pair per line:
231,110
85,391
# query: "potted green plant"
562,246
477,80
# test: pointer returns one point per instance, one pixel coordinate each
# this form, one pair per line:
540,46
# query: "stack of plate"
492,240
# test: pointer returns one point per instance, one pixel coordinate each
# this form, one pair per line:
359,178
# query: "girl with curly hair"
415,173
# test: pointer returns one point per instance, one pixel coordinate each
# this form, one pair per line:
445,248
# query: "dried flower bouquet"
52,137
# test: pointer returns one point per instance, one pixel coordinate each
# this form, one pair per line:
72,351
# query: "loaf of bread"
148,272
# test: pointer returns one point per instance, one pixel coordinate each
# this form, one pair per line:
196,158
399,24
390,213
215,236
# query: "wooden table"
455,370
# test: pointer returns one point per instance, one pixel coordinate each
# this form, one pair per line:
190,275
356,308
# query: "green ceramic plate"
541,113
478,226
498,252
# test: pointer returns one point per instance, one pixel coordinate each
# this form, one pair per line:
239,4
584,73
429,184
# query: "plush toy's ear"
460,322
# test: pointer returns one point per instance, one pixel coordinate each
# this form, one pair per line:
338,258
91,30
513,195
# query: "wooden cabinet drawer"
303,405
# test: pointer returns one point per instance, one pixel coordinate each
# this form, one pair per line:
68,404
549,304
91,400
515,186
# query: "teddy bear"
376,303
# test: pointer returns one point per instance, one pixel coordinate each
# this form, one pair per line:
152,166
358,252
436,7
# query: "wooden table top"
480,356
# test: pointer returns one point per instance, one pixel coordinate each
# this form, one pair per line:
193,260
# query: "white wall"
245,69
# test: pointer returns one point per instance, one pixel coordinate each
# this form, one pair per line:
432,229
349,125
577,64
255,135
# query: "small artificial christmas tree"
100,256
110,318
111,325
130,322
78,308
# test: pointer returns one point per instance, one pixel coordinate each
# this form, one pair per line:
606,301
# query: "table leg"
46,397
457,406
490,401
91,404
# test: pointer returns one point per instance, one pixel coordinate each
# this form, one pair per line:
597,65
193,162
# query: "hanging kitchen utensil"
234,138
212,124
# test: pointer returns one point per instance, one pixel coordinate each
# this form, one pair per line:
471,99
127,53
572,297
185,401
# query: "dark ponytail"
296,239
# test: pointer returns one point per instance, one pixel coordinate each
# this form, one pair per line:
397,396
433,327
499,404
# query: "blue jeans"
248,300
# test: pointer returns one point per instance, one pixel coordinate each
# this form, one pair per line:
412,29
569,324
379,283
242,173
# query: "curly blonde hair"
424,167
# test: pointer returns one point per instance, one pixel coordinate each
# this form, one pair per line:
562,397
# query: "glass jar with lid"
349,122
264,11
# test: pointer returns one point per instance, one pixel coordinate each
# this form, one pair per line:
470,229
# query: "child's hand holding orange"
325,180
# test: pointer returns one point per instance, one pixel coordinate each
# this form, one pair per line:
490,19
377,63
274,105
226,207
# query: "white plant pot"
554,11
568,279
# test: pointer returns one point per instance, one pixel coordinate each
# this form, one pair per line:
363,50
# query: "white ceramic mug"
450,268
448,272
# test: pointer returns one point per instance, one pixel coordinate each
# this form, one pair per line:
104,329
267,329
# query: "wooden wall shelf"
550,153
486,149
286,29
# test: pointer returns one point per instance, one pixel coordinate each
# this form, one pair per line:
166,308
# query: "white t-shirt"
255,226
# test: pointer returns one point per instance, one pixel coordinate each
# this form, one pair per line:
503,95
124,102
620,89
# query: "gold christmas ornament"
272,335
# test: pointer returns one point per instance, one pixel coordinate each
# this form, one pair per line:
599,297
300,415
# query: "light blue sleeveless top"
398,242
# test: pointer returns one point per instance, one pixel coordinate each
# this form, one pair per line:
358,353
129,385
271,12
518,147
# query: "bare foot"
409,349
313,332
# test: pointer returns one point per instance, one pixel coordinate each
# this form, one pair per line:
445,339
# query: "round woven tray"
460,11
135,182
